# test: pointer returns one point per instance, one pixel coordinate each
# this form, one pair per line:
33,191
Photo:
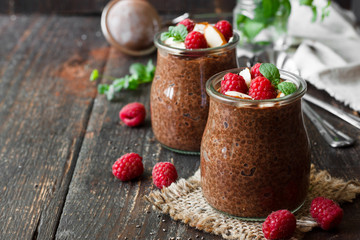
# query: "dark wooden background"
90,7
59,138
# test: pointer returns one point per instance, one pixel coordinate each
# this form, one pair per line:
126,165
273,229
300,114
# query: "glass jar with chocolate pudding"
255,154
178,100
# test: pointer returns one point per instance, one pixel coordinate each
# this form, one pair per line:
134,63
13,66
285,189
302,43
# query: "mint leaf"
102,88
178,32
94,75
271,72
270,8
139,74
252,28
310,3
287,87
165,35
138,70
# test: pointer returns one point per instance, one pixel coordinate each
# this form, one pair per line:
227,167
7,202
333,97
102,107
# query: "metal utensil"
334,137
353,120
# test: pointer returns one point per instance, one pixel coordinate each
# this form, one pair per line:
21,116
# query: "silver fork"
335,138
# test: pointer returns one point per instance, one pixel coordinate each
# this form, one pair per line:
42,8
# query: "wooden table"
59,139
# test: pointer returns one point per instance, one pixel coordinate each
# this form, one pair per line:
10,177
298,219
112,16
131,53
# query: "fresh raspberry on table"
133,114
279,225
326,212
225,28
128,166
255,72
261,88
188,23
195,40
233,82
164,173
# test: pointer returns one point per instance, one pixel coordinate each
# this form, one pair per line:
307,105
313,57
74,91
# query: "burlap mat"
183,200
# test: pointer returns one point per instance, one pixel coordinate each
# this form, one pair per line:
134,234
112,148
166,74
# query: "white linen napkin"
329,55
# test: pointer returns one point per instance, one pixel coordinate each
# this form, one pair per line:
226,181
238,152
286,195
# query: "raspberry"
233,82
128,166
225,28
188,23
326,212
279,225
195,40
255,72
133,114
261,88
164,173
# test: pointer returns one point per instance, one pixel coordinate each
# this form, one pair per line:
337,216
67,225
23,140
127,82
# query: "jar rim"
180,51
215,79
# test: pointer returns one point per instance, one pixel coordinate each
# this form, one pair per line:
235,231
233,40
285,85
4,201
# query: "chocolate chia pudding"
255,155
178,100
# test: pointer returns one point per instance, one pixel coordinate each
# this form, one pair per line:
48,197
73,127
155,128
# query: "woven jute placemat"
184,201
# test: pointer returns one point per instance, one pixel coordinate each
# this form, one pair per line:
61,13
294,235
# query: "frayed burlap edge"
183,201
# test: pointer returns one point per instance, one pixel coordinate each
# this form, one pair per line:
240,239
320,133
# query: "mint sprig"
324,10
272,13
271,72
287,88
178,32
139,74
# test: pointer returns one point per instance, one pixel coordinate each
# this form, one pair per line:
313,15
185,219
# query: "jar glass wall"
178,100
255,155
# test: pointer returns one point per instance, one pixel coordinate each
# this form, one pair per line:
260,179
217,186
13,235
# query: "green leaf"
102,88
287,87
325,11
287,6
165,35
138,70
94,75
271,72
306,2
252,28
314,14
270,8
179,33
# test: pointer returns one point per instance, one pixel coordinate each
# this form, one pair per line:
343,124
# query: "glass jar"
255,154
261,23
178,101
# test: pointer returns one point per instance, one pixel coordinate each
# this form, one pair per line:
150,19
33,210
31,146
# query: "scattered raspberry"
128,166
261,88
225,28
326,212
164,173
255,72
195,40
233,82
188,23
133,114
279,225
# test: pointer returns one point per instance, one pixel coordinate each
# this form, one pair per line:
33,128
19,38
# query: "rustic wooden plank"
96,6
45,103
99,206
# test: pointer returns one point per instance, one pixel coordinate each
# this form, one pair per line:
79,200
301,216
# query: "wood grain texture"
59,139
98,205
45,103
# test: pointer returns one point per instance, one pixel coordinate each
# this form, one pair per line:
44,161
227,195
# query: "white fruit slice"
199,27
176,44
238,95
213,36
246,74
